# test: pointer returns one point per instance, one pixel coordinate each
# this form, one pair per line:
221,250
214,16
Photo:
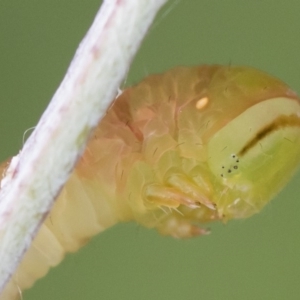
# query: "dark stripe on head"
280,122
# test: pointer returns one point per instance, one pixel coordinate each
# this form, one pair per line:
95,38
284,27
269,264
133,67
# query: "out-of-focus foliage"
252,259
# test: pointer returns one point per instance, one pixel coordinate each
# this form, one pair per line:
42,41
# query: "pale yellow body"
179,149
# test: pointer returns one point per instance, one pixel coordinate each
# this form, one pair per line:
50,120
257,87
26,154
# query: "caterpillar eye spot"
230,165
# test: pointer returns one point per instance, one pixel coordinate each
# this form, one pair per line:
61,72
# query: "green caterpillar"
192,145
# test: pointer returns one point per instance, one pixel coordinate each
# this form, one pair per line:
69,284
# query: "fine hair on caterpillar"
174,152
26,132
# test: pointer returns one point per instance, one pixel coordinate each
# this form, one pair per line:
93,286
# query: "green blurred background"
256,258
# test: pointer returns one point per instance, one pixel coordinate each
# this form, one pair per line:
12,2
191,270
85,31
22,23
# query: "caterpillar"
180,149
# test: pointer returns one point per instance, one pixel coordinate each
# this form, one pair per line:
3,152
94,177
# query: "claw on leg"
168,196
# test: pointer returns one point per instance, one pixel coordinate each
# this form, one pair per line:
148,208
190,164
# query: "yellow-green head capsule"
257,151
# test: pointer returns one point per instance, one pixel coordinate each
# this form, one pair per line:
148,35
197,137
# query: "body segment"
179,149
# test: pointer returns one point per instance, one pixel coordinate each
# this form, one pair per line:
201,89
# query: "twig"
42,167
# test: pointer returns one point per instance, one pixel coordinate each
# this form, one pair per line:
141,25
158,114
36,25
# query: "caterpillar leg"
179,190
178,227
170,197
188,200
186,186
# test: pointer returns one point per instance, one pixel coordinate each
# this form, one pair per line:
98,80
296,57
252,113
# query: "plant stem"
38,173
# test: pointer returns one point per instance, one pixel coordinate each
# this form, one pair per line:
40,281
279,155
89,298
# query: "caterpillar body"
192,145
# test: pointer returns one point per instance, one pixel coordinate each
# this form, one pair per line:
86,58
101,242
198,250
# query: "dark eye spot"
235,167
229,171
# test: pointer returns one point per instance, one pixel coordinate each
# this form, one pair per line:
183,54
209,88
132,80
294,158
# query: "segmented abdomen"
149,152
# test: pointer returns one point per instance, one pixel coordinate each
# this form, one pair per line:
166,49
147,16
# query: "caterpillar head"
254,153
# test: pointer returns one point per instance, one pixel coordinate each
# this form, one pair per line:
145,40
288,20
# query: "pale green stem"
43,165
